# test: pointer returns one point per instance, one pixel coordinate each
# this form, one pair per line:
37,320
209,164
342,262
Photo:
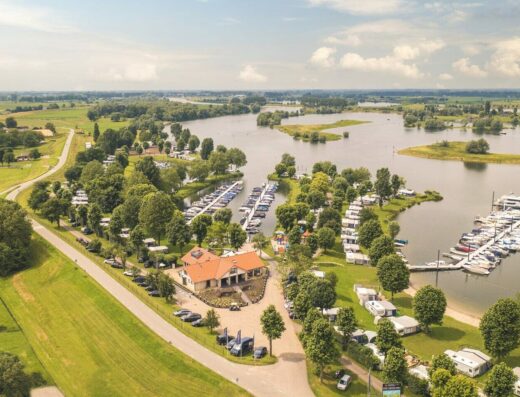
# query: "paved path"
288,377
13,192
361,373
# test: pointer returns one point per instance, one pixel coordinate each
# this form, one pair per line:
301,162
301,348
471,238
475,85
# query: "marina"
210,203
482,250
256,207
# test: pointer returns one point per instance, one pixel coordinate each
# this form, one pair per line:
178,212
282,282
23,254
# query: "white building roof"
318,273
404,322
469,357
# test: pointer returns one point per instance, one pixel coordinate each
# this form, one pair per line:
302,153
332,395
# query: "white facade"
470,362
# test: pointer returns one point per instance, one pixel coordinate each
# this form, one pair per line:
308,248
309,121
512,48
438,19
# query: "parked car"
230,344
109,261
234,307
154,293
181,312
344,382
260,352
148,264
223,339
86,230
242,348
198,323
139,279
149,288
143,284
128,273
189,318
117,265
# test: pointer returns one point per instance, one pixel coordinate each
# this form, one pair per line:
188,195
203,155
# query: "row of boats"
210,203
482,250
256,207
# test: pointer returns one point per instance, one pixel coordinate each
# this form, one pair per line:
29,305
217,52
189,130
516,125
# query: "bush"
94,246
418,386
362,355
444,143
346,134
480,146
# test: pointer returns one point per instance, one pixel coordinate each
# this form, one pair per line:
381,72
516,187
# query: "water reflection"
472,166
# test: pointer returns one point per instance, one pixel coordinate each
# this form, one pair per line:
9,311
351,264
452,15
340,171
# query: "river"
467,188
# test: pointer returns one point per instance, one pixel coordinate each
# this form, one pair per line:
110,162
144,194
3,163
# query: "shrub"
362,355
346,134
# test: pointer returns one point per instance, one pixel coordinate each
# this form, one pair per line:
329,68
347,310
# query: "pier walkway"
207,207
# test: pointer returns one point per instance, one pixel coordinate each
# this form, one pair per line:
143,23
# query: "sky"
258,44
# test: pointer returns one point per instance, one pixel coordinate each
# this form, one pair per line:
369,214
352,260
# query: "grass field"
456,151
13,340
90,344
19,172
304,130
64,119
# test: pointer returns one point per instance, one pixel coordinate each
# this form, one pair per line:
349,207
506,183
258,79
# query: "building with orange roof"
203,269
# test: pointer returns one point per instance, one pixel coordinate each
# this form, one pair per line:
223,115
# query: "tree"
442,361
316,199
351,194
9,157
147,166
170,180
393,229
368,232
211,320
346,323
429,305
382,185
218,162
387,336
393,274
35,154
156,210
94,218
280,169
14,382
199,169
396,182
82,214
199,227
96,133
52,209
395,369
272,325
223,215
92,170
177,231
294,236
10,122
480,146
217,233
15,237
237,235
286,215
366,214
322,294
39,195
136,239
206,148
381,246
259,242
193,143
319,345
460,386
236,157
288,160
501,381
326,238
331,218
500,327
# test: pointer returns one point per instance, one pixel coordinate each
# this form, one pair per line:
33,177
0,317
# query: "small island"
473,152
315,132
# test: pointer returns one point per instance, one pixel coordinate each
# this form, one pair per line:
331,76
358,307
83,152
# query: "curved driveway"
288,377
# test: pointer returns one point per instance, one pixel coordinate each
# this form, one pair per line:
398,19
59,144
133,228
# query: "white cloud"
136,73
445,76
386,26
361,7
250,75
506,58
464,66
31,17
471,49
352,40
324,57
388,64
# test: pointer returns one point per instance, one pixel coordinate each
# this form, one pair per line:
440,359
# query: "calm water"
467,188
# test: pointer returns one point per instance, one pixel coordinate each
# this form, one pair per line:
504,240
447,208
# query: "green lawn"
90,344
64,119
23,171
13,340
456,151
306,129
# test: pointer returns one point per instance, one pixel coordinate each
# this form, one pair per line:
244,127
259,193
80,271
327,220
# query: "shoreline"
451,310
